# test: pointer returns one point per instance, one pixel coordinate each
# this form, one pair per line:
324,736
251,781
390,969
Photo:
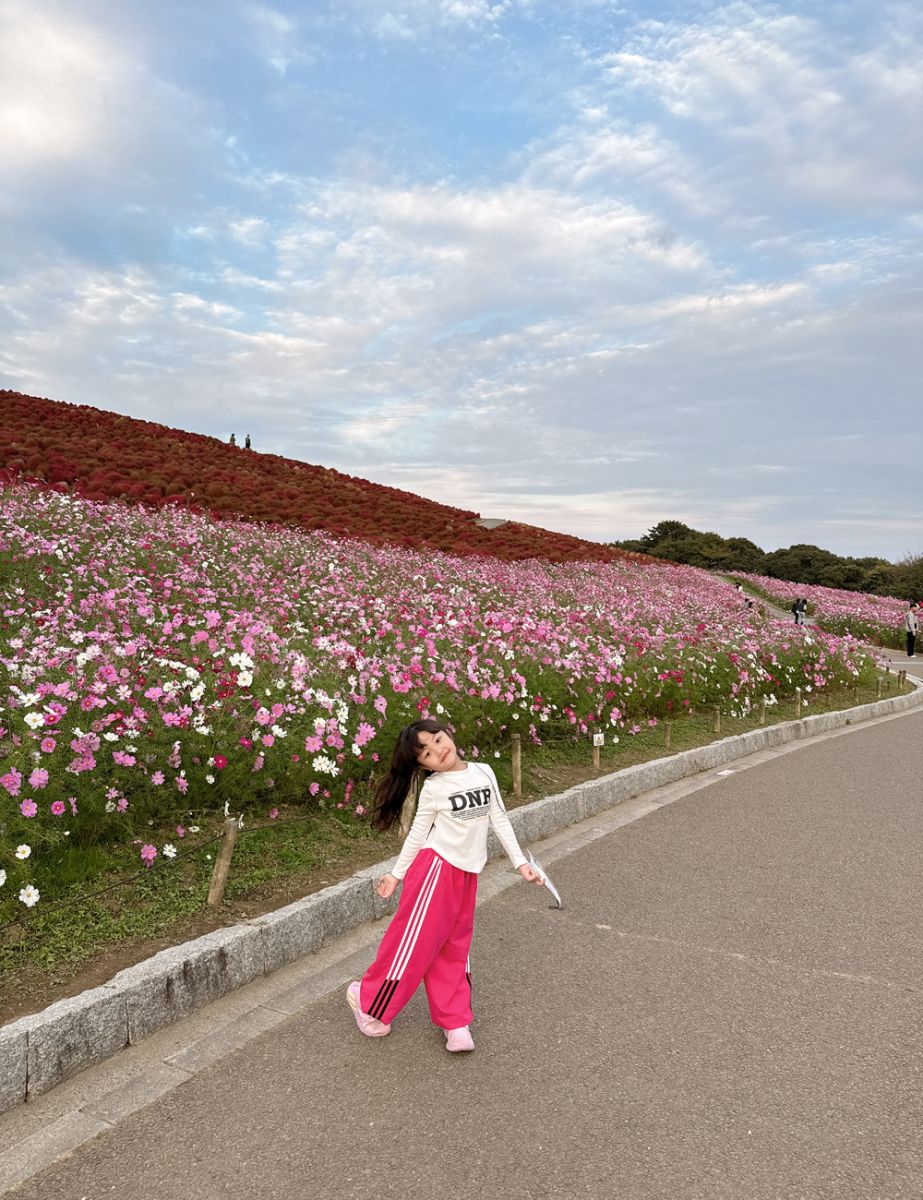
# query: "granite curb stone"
181,979
14,1050
73,1034
39,1051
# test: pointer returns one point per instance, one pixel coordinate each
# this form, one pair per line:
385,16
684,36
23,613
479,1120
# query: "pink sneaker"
370,1026
457,1040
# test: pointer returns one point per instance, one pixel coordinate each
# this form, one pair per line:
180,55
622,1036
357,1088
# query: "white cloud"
59,77
783,108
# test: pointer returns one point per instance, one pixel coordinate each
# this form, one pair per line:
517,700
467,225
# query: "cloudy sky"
585,264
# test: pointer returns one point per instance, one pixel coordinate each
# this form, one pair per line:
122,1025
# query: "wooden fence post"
223,861
762,710
408,808
667,728
878,687
517,766
797,702
717,724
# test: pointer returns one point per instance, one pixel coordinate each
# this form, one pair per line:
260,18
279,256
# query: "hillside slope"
105,456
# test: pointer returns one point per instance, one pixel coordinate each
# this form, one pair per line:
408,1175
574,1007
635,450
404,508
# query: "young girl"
445,850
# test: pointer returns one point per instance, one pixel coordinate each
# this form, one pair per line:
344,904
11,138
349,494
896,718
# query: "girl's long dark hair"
392,791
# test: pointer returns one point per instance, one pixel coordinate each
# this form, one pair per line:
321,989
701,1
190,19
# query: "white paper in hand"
543,876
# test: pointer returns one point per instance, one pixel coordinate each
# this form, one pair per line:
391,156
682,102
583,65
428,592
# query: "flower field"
157,665
875,619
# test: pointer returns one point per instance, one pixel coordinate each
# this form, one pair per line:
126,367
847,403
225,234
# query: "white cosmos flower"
325,765
169,850
2,878
35,720
244,678
29,895
23,851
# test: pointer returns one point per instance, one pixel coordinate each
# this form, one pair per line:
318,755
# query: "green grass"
294,856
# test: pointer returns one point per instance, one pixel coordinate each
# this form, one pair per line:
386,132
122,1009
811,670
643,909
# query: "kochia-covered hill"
105,456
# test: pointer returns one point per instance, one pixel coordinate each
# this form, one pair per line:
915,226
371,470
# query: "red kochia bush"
106,456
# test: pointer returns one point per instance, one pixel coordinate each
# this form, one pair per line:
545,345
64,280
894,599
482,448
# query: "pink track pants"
428,938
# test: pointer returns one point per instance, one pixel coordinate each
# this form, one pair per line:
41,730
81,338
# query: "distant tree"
907,577
802,563
746,556
664,531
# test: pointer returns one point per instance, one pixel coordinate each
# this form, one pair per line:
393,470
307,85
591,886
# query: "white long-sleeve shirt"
454,812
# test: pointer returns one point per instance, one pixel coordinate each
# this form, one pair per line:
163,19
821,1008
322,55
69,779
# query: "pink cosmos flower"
157,778
148,854
12,781
58,808
180,831
314,789
273,813
313,744
38,779
364,733
28,808
220,762
49,745
268,740
182,784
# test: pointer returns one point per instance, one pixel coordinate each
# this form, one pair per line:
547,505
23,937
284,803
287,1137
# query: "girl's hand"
386,885
528,874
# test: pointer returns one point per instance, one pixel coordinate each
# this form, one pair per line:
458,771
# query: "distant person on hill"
430,934
911,628
233,440
800,608
247,442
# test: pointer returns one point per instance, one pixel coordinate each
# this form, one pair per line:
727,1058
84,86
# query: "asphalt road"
729,1006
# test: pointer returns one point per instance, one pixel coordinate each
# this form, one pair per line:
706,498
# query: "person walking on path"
446,849
911,628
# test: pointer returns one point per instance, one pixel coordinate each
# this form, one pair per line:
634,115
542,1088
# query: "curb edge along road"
38,1052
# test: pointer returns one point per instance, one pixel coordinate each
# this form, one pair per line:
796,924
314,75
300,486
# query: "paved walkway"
727,1007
